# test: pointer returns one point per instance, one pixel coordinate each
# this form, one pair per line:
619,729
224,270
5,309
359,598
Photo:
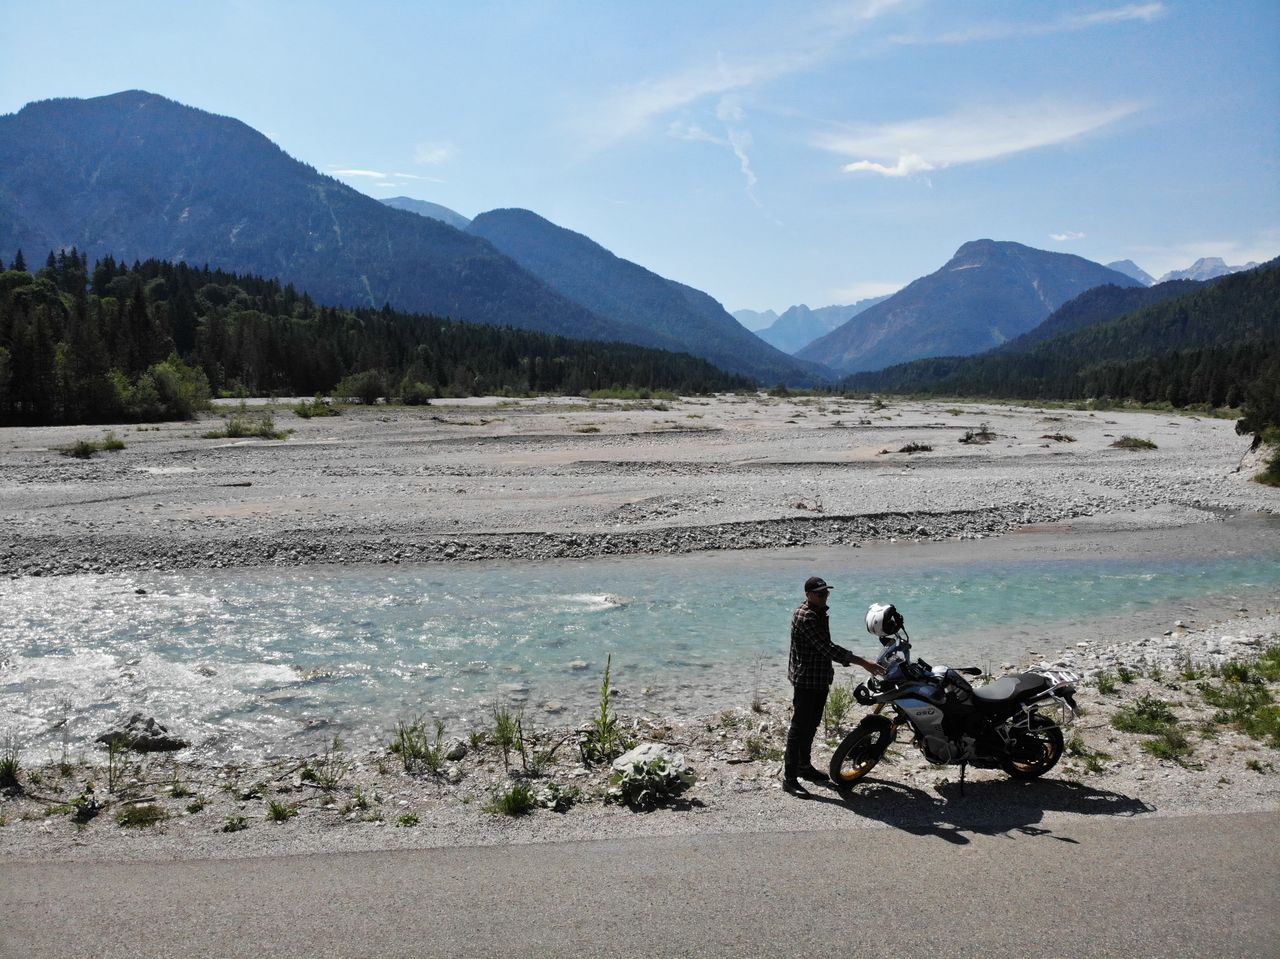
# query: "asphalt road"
1150,886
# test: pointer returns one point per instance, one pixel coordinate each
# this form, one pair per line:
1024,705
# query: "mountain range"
800,325
1205,268
988,293
136,176
427,208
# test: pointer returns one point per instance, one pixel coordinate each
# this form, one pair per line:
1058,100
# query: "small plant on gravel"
649,783
1106,682
758,748
603,741
983,434
139,817
506,732
1250,707
514,801
330,769
85,806
1187,669
416,749
84,449
837,709
558,798
280,812
1155,674
1125,674
757,697
1133,443
916,448
10,764
119,751
1257,766
1059,437
407,819
234,824
196,805
317,407
262,427
178,789
1169,743
1146,714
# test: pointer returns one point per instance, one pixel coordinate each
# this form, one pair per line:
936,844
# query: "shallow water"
274,660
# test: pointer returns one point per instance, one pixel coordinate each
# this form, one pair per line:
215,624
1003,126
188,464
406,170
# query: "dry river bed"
486,479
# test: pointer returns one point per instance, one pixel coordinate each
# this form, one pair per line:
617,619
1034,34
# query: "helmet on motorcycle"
883,620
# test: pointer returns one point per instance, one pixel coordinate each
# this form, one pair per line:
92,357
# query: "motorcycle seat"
1010,687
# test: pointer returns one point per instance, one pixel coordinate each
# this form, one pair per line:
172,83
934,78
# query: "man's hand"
875,669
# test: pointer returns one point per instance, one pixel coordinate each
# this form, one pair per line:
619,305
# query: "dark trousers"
807,702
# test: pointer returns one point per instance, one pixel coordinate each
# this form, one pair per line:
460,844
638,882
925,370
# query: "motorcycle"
1015,723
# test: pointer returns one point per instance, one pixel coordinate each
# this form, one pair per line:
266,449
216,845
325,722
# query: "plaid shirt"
812,651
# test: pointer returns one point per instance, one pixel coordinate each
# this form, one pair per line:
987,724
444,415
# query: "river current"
263,661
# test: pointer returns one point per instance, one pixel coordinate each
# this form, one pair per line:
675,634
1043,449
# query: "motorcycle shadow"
985,807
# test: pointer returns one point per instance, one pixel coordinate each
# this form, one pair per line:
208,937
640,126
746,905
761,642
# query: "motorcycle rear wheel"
859,752
1048,735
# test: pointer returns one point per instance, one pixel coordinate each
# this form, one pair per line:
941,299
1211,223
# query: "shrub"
603,741
515,801
1105,682
330,769
415,749
10,764
414,393
839,702
506,732
139,817
317,407
366,387
407,819
234,824
916,448
1169,743
558,798
1133,443
260,427
84,449
983,434
280,812
1146,714
646,784
1125,675
1059,437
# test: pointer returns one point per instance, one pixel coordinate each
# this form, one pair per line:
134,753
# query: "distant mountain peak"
1129,268
428,209
1205,268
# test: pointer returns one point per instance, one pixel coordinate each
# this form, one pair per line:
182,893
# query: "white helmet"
883,620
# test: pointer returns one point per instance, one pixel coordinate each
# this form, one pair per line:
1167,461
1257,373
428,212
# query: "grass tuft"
1146,714
515,801
139,817
1133,443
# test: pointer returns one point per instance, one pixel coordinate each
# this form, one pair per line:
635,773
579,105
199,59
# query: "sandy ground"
538,478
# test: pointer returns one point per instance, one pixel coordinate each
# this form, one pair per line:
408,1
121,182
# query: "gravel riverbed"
530,479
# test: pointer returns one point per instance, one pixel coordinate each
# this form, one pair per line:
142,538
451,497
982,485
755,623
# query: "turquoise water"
270,660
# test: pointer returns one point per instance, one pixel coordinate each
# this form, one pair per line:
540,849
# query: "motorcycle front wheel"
1037,750
859,752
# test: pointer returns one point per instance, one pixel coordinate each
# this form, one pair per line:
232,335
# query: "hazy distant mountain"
988,293
684,318
1205,268
136,176
1131,269
799,325
754,320
427,208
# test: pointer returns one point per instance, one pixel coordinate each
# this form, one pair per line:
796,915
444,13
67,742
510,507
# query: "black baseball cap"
816,584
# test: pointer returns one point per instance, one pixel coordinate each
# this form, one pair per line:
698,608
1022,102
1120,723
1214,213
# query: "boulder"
144,735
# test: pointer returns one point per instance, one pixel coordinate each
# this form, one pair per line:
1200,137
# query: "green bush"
515,801
367,387
1169,743
317,407
644,785
1105,682
1133,443
1146,714
139,817
261,427
416,749
414,393
280,812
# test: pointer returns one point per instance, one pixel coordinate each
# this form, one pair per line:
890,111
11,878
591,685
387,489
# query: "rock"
648,752
143,735
455,750
578,665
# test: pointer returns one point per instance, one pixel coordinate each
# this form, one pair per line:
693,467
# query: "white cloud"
804,43
434,154
376,174
1065,24
863,291
682,130
1161,259
1066,236
910,146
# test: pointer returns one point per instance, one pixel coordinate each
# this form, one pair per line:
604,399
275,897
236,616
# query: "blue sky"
768,153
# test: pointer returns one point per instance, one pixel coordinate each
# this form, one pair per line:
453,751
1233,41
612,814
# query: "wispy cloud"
805,43
1067,23
375,174
383,178
434,154
1066,236
918,146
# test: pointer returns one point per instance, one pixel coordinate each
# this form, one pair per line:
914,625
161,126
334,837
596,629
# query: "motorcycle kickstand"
963,767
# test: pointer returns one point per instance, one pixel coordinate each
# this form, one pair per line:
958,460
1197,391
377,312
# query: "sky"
768,153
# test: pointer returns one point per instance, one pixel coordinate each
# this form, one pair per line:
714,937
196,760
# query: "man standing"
809,670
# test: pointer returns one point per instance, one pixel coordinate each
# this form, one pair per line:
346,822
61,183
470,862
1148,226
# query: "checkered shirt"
812,651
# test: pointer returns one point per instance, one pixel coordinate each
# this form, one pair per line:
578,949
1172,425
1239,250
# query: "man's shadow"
988,807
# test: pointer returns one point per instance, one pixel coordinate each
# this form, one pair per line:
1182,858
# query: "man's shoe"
795,788
814,774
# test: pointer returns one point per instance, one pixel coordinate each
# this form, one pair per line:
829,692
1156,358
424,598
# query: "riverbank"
538,479
344,800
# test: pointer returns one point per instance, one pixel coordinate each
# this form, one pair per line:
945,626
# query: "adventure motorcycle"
1014,723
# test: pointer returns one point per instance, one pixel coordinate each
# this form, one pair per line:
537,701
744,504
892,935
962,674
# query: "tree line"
155,340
